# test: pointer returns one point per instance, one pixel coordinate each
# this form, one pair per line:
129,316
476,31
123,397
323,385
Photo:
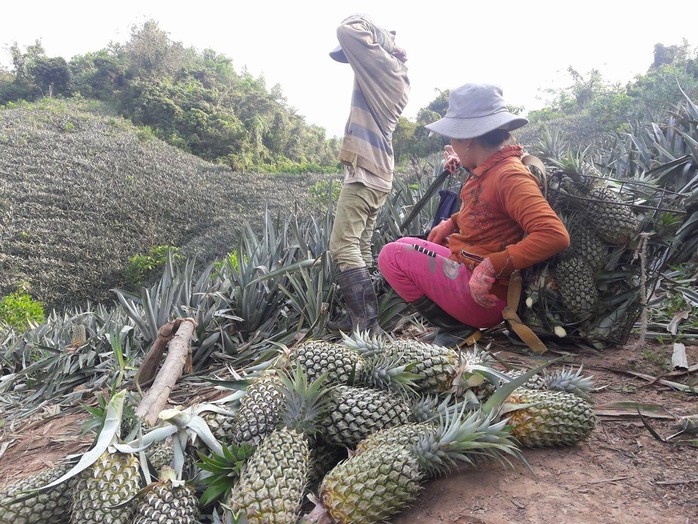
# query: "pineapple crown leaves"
185,421
498,399
570,381
432,408
473,368
366,344
182,425
305,403
464,437
106,438
389,371
225,470
228,409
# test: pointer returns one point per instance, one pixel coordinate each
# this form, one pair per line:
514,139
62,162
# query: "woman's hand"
451,160
440,232
481,283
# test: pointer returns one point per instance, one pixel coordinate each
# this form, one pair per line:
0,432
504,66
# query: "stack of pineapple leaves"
356,426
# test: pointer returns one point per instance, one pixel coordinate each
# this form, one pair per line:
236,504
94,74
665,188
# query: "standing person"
381,87
460,274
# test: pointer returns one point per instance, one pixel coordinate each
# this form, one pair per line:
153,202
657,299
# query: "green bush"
319,193
141,266
18,310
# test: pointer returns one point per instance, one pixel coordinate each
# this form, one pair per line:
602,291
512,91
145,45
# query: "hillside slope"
83,191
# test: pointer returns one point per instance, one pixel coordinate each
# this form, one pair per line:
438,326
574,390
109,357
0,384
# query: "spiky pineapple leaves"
497,401
105,438
225,470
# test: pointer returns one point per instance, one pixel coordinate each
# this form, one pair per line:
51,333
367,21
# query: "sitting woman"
460,274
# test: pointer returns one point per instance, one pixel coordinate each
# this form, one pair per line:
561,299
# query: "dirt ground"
621,474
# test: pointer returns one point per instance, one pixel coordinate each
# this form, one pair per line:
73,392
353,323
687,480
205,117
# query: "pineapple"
612,219
112,480
273,480
436,369
357,412
260,410
387,476
545,418
168,501
399,435
343,365
160,454
577,286
51,506
220,421
323,457
272,483
587,244
317,357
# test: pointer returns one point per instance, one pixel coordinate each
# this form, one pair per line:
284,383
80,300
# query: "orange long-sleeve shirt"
505,217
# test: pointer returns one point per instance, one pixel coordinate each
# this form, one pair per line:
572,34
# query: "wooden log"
151,361
178,358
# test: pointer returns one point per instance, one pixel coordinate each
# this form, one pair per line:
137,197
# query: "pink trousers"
415,267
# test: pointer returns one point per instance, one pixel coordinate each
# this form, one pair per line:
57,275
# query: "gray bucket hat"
474,110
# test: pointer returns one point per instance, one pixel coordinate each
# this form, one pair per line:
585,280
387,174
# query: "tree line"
194,100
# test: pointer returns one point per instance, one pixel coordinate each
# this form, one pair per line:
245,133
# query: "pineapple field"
216,394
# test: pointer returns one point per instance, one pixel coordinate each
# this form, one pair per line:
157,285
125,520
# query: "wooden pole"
178,360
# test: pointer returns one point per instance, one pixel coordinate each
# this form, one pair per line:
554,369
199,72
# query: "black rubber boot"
360,298
342,324
450,332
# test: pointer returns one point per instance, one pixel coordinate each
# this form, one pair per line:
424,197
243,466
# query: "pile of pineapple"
591,291
356,426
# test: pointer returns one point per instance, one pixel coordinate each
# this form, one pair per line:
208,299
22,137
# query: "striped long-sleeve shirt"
381,88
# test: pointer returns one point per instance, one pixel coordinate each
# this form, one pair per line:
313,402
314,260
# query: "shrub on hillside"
140,267
18,310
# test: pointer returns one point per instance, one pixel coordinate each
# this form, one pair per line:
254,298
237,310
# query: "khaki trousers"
355,218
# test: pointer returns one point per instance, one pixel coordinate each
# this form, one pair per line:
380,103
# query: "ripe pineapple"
113,479
577,286
387,476
52,506
552,418
168,501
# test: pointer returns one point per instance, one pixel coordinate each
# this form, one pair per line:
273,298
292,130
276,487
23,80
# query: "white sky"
524,46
